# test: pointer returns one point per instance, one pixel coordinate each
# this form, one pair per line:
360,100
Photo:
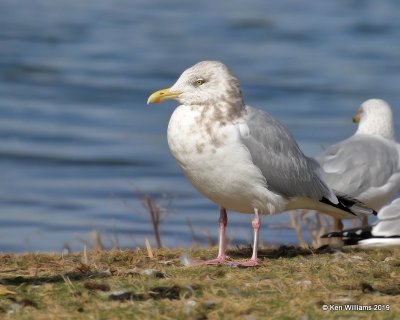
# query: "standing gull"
365,166
385,233
241,157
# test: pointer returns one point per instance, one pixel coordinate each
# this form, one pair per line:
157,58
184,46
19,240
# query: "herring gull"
365,166
385,233
240,157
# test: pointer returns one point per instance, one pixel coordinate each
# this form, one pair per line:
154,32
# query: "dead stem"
155,212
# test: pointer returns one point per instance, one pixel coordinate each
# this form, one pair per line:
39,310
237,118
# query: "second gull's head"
375,118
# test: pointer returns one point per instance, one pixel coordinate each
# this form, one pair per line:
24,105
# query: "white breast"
218,164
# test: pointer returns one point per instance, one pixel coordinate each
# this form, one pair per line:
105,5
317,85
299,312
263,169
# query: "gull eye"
198,82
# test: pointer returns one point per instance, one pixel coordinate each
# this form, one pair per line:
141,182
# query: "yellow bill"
162,95
356,118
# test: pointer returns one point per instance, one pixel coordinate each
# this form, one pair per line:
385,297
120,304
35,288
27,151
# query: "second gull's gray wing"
359,163
389,220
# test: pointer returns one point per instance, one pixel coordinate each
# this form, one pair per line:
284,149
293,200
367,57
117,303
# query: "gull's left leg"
364,221
337,224
337,227
256,223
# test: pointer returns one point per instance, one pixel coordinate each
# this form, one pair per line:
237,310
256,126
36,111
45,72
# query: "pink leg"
256,223
223,221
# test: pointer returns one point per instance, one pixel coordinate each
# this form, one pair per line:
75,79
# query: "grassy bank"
290,283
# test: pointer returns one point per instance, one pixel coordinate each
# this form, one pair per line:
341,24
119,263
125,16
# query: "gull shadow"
389,291
38,280
279,252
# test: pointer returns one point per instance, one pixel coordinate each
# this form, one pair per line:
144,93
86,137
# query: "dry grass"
291,283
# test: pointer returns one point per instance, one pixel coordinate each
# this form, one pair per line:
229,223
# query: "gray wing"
389,220
391,212
359,163
275,152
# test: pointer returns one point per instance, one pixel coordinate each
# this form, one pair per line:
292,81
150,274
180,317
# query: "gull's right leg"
223,221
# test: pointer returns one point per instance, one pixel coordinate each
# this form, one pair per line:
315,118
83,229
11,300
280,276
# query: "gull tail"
350,205
351,236
366,237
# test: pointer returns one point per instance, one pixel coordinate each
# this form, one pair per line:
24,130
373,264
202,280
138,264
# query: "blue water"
79,146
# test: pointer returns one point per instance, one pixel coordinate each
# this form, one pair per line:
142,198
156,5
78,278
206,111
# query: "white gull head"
375,118
208,83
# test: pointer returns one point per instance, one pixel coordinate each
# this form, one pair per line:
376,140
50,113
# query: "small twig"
211,242
156,212
195,241
96,241
114,238
148,247
69,283
316,226
296,225
312,229
85,258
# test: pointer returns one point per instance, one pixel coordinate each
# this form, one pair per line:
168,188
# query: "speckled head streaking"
208,84
375,118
